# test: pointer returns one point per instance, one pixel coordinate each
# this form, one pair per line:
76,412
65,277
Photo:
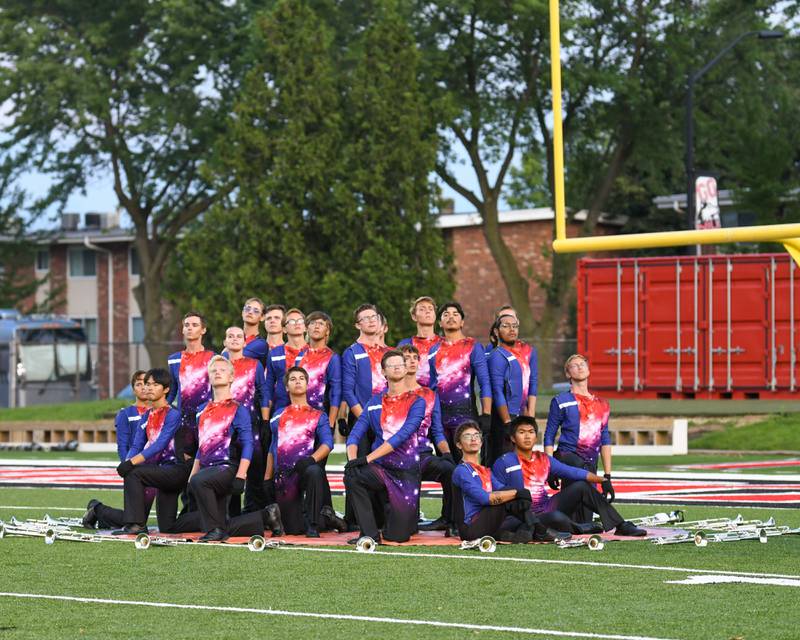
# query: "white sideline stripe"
43,508
329,616
582,563
778,582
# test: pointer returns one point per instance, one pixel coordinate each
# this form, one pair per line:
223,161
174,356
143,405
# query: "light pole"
694,76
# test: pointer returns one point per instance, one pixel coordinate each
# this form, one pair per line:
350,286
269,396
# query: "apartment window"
43,260
137,330
134,262
89,327
82,262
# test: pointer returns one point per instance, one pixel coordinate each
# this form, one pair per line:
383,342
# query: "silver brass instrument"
365,544
594,542
486,544
256,543
660,518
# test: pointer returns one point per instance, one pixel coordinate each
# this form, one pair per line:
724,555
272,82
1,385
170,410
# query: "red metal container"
690,327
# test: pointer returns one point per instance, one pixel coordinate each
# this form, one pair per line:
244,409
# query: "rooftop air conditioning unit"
92,220
70,221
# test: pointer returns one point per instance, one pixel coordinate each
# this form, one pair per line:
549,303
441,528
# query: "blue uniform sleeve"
360,428
470,485
416,414
139,438
324,431
269,383
553,423
533,381
273,445
404,341
566,471
478,361
349,374
437,430
333,380
243,427
499,473
497,375
122,427
605,436
261,385
170,426
175,387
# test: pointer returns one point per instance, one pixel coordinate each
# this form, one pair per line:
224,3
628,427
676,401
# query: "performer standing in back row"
423,312
324,367
285,356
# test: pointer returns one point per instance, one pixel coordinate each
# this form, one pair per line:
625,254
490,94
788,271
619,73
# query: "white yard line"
332,616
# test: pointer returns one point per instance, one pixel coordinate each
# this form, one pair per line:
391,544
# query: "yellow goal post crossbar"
786,234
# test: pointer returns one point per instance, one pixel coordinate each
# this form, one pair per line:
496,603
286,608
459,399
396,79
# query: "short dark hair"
408,348
275,307
136,374
467,424
291,370
364,307
391,353
517,422
320,315
195,314
455,305
159,376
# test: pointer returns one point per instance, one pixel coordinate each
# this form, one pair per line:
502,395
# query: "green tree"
331,150
139,91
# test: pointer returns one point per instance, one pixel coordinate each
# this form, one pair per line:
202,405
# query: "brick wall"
58,277
119,322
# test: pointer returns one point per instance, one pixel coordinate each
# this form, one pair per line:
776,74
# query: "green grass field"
624,590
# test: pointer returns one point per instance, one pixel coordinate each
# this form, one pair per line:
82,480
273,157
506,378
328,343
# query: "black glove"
485,421
448,457
268,486
554,482
355,462
124,468
237,487
344,428
608,488
523,494
302,464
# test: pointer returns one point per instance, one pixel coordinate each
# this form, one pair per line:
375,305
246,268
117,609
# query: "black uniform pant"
248,524
169,479
576,497
373,507
498,442
254,497
302,512
211,489
491,520
439,470
111,518
582,513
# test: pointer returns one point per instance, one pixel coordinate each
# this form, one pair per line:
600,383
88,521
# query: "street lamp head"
770,35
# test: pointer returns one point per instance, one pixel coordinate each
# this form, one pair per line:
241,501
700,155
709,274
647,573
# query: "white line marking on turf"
780,582
43,508
583,563
333,616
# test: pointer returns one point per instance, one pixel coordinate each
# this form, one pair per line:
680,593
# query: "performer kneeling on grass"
150,452
302,438
220,468
481,509
386,481
525,468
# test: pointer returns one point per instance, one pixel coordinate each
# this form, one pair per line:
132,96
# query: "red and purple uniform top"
424,346
430,430
190,385
155,436
248,388
362,377
324,368
279,360
514,373
476,483
125,425
225,433
396,420
515,472
583,421
454,367
297,431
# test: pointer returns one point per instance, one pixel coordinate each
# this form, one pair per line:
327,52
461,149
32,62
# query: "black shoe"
334,521
440,524
629,529
215,535
550,535
130,530
583,528
271,515
89,520
312,532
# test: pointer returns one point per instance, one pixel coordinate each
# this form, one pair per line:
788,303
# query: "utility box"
690,327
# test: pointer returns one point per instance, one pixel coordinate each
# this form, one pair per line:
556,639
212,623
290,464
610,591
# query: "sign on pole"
706,203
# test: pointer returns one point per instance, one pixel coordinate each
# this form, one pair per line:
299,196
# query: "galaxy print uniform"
324,368
255,347
424,346
225,433
297,431
125,425
280,359
362,377
249,389
583,421
513,371
396,420
476,485
155,435
433,467
189,391
454,367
